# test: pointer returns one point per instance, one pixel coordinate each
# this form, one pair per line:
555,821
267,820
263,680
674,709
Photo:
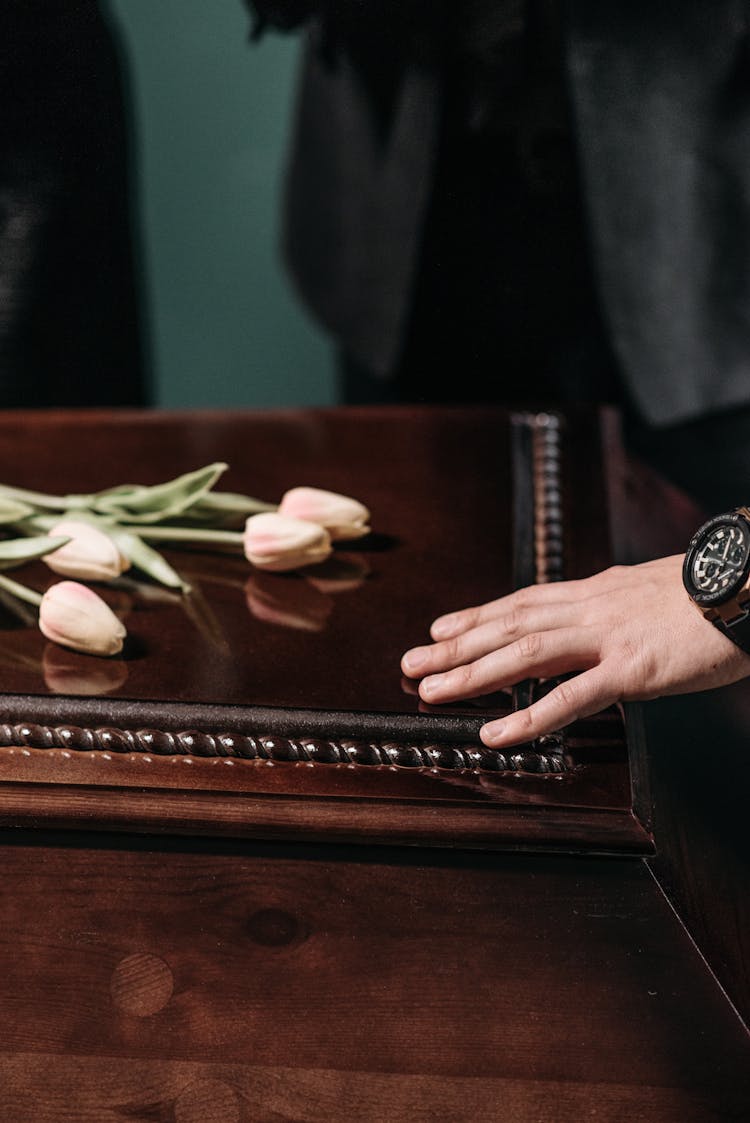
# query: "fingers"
587,693
530,597
619,631
455,623
534,655
479,641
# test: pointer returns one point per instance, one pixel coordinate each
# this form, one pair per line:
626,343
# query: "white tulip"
275,542
90,555
341,516
75,616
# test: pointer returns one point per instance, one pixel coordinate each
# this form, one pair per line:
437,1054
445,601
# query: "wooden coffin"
247,875
272,705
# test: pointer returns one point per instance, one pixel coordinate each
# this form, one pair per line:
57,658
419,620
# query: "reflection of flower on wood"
287,602
303,601
65,673
97,537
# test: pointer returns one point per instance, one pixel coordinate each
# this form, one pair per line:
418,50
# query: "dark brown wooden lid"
436,481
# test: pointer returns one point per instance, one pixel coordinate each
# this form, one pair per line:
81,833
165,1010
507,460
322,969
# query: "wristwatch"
716,573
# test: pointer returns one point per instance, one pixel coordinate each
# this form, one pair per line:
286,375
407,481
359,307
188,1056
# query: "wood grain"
313,981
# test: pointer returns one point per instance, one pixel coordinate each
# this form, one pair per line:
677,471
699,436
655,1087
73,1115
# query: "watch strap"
738,630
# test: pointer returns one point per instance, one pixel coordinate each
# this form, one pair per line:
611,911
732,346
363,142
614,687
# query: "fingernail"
492,734
414,659
443,627
428,687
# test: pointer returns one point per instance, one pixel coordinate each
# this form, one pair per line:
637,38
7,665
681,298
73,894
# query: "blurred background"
209,119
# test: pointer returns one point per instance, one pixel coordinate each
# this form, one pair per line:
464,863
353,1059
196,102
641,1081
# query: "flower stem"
23,592
36,498
185,534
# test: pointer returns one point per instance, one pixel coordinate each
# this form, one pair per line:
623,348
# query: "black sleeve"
281,15
346,16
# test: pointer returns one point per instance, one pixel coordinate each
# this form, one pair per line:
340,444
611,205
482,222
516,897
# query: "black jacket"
660,96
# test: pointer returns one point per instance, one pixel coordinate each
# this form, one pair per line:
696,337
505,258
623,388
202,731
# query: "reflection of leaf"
145,592
194,604
17,661
26,613
200,613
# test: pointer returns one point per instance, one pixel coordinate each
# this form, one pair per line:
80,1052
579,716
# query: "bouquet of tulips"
98,537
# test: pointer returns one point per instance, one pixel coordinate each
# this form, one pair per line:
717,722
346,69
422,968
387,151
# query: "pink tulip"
275,542
341,516
90,554
74,616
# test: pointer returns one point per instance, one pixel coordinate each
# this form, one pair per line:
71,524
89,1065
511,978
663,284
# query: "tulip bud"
275,542
74,616
342,517
90,554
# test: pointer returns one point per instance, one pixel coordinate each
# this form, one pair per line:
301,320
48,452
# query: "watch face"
718,560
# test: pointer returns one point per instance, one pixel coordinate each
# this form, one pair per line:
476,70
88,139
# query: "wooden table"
248,876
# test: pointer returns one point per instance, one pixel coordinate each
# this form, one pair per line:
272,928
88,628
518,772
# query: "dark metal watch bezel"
709,600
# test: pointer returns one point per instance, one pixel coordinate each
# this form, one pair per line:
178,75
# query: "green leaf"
22,610
134,503
21,592
148,560
38,523
16,551
225,508
35,499
13,510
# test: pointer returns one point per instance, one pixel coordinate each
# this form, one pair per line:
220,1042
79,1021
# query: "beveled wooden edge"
321,819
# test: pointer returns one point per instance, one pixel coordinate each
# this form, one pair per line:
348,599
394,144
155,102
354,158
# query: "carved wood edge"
547,471
328,819
547,758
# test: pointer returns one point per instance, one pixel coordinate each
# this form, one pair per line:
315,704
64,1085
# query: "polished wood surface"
169,981
282,693
225,907
439,484
438,489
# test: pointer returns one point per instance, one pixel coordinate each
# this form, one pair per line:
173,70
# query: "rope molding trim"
545,759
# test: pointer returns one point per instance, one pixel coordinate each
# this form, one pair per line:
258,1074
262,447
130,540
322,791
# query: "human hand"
629,633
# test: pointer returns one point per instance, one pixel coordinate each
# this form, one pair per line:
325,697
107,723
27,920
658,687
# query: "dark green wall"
211,113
